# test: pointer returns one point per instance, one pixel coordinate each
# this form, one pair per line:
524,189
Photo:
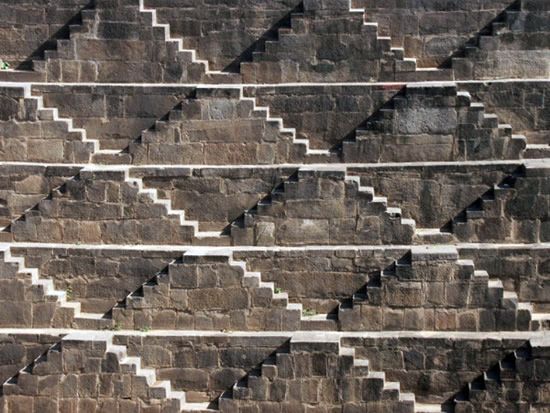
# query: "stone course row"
315,44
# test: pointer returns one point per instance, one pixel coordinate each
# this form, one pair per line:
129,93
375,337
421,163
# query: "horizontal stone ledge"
279,335
185,248
350,167
271,85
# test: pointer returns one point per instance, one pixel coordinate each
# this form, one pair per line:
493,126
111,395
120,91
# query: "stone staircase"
151,146
63,48
56,64
312,359
36,105
133,189
506,29
272,206
215,237
406,68
506,385
114,359
402,68
68,312
275,304
251,390
491,203
399,129
91,146
387,291
216,76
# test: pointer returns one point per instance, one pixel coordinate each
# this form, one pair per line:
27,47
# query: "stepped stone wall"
518,381
101,207
327,41
217,127
322,207
433,367
525,271
524,105
29,27
18,350
22,187
443,190
226,32
85,374
204,293
441,120
129,110
116,42
431,289
518,212
204,368
245,206
515,46
29,134
319,279
329,114
326,114
26,304
98,278
432,30
229,191
431,194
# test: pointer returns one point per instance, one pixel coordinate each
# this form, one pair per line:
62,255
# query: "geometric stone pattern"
225,205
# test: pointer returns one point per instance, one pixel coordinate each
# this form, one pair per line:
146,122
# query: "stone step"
536,151
434,236
425,74
92,323
428,408
22,76
114,157
320,322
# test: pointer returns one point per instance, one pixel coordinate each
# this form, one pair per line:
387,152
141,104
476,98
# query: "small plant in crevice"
4,65
115,327
145,329
278,290
69,293
308,312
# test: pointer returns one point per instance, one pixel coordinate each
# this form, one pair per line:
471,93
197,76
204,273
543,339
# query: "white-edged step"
50,113
428,408
280,124
48,286
153,194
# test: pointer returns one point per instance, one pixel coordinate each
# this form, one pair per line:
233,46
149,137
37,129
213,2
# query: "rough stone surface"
384,245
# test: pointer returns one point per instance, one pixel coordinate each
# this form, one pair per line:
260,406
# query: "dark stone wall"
432,194
228,192
28,27
97,278
433,368
30,134
319,279
431,30
23,186
202,366
326,115
524,105
100,207
114,115
524,270
225,32
18,350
